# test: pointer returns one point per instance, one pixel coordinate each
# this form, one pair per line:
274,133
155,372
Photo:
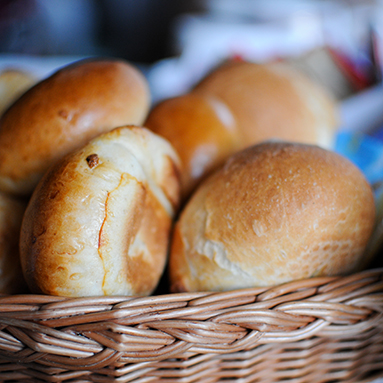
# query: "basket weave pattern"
315,330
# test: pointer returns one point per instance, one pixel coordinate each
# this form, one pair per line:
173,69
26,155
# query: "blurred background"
337,41
175,42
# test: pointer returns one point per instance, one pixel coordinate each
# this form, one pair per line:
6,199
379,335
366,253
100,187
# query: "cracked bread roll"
274,101
11,214
275,212
201,129
62,113
98,222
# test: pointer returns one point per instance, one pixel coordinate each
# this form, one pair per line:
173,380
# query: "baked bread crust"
275,212
99,221
62,113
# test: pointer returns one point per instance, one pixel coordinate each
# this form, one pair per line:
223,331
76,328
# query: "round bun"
62,113
275,212
11,214
201,129
241,104
98,222
273,101
13,83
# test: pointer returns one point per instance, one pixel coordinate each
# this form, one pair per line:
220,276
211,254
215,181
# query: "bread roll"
62,113
13,83
274,101
240,104
11,214
201,129
98,222
275,212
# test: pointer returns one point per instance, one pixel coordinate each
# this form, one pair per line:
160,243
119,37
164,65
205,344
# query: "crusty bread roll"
274,101
11,214
62,113
240,104
98,222
274,212
201,129
13,83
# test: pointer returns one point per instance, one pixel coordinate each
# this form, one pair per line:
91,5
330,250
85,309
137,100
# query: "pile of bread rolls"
231,185
101,191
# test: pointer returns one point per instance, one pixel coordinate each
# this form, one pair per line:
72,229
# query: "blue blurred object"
378,134
364,151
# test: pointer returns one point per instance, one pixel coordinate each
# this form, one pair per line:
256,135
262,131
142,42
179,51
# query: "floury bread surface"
62,113
98,223
275,212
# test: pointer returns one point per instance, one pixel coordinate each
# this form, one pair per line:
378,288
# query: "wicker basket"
315,330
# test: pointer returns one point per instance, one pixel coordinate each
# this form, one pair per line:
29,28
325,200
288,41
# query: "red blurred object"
359,80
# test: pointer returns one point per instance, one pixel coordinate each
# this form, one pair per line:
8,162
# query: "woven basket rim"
286,286
98,334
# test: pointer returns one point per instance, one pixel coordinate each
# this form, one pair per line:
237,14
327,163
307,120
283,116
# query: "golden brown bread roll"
274,101
275,212
11,214
201,129
98,222
240,104
62,113
13,83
